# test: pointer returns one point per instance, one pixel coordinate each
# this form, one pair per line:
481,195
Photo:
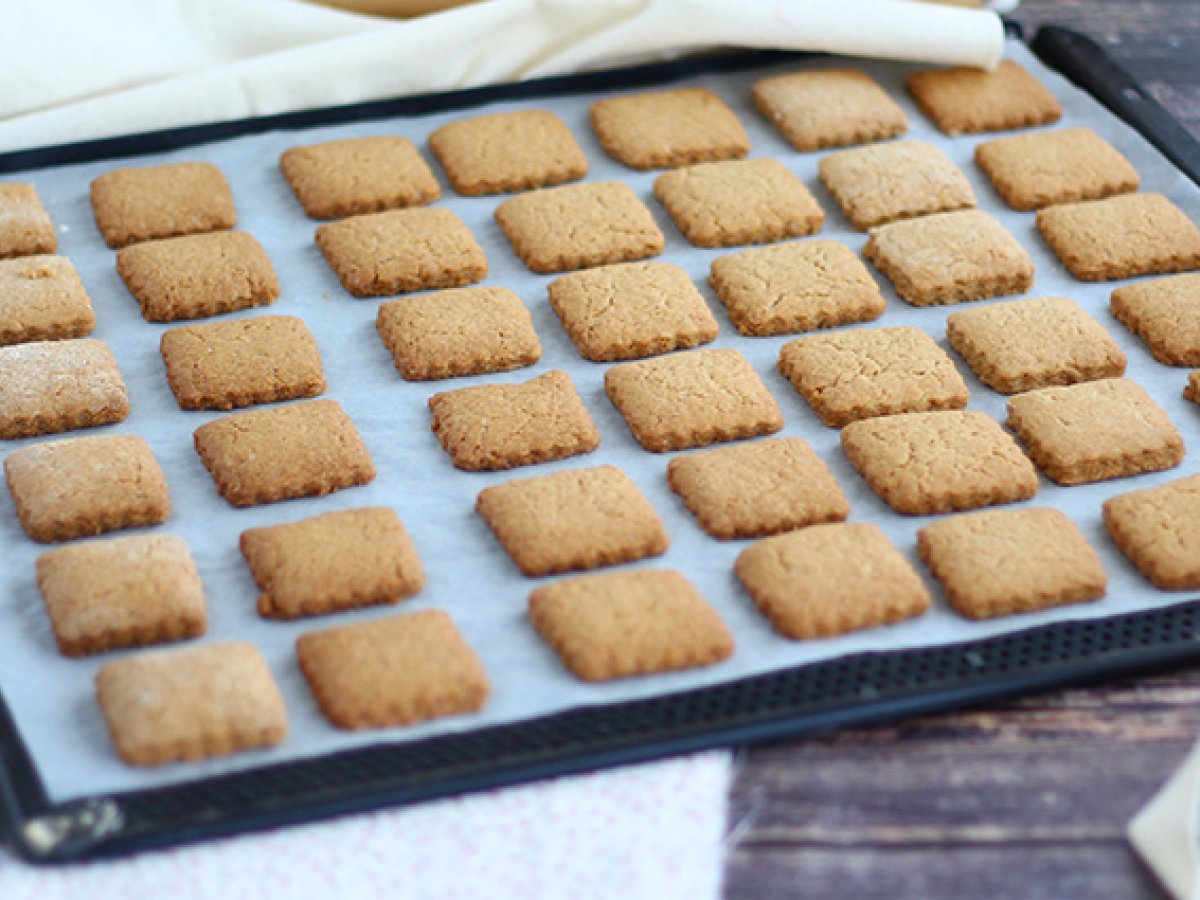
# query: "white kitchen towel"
1164,831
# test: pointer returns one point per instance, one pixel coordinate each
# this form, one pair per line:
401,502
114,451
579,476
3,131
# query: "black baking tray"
852,690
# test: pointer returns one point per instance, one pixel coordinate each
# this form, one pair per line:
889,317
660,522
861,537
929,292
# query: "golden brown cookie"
968,101
1165,313
42,299
828,108
161,201
1191,390
52,386
1159,530
25,226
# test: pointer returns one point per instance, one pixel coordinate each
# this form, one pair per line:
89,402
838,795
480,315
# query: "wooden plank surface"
1026,801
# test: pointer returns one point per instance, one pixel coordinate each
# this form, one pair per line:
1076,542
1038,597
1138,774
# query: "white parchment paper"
469,575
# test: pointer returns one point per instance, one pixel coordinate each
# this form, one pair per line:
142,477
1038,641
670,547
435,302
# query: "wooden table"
1024,801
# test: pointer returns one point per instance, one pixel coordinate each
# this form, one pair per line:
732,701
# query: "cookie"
467,331
161,201
183,705
509,151
25,227
1008,561
89,485
52,386
851,375
631,310
1030,171
619,624
576,519
332,562
302,450
969,101
828,108
1191,390
1095,431
500,426
795,287
401,250
225,365
692,399
360,175
1120,237
898,180
1026,344
42,299
661,129
1159,530
198,276
744,201
756,489
829,580
950,257
395,671
935,462
579,226
121,592
1165,313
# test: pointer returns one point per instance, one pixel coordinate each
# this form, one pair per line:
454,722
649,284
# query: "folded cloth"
75,69
1164,832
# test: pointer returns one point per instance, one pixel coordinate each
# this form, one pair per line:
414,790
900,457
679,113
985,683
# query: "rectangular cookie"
42,299
90,485
225,365
969,101
139,204
52,386
1165,313
828,108
197,276
332,562
25,227
305,449
1158,528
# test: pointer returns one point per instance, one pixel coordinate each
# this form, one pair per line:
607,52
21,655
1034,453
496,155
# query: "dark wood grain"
1026,801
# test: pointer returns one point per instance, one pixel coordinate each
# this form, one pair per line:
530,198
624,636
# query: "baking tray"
851,689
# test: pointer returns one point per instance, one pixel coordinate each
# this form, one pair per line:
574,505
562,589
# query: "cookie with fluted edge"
183,705
52,386
42,299
575,519
828,108
25,227
1001,562
147,202
829,580
389,672
620,624
969,101
1165,313
1158,528
662,129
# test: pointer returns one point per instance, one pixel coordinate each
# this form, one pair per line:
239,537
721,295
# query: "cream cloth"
1164,831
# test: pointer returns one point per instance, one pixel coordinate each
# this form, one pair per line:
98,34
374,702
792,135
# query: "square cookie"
897,180
743,201
631,310
1030,171
395,671
25,226
829,580
122,592
42,299
759,488
303,450
1025,344
198,276
579,226
500,426
183,705
935,462
510,151
576,519
52,386
969,101
401,250
1007,561
1095,431
1165,313
359,175
795,287
950,257
692,399
1191,390
1121,237
466,331
620,624
89,485
224,365
134,205
828,108
661,129
1159,530
851,375
332,562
